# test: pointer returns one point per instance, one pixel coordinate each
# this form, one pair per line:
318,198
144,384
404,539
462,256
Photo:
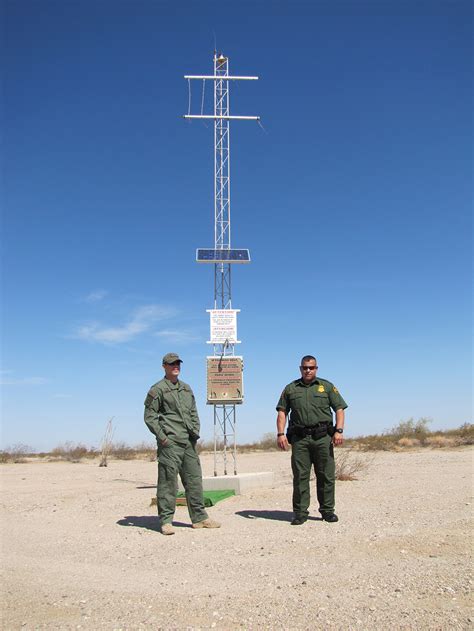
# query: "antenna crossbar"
220,78
226,118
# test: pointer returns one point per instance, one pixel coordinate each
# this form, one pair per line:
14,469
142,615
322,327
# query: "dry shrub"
408,442
72,452
106,444
412,429
349,463
204,446
152,455
146,451
122,451
267,442
208,446
377,442
439,441
408,433
464,435
16,454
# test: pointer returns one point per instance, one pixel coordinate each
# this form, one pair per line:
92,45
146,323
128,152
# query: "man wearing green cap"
171,415
311,401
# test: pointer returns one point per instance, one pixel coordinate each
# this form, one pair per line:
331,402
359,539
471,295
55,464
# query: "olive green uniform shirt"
310,403
171,413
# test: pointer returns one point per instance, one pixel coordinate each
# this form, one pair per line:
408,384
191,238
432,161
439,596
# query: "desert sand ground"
82,550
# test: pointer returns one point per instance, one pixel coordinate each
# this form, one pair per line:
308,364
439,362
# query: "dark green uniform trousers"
179,459
306,452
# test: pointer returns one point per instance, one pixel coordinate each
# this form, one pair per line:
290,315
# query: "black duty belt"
315,431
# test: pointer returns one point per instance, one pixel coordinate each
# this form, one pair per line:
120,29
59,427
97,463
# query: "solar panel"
209,255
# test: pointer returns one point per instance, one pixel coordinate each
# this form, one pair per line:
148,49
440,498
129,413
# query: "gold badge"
321,389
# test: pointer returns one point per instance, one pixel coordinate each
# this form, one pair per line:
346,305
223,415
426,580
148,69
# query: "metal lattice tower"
224,414
222,271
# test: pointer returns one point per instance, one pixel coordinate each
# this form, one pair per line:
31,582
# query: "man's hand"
164,442
282,442
337,439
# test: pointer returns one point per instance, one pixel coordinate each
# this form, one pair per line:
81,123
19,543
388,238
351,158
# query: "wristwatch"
339,430
280,434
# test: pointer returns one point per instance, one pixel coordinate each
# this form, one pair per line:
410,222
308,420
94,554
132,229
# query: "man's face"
172,370
308,370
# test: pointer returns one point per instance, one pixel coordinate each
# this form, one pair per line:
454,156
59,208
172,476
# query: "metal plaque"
225,380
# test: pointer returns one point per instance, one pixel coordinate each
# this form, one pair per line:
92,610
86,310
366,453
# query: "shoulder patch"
335,390
149,399
155,388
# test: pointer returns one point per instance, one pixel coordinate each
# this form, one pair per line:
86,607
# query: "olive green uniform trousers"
305,453
182,459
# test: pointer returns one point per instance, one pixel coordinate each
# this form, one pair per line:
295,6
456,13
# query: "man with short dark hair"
171,415
310,401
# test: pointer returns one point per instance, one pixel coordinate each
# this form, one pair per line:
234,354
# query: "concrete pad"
240,483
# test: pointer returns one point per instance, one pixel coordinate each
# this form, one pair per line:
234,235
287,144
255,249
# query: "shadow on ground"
149,522
276,515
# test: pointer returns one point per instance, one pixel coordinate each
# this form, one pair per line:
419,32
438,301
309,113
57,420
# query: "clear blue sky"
354,202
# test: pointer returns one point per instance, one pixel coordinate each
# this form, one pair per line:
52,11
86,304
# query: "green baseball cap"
169,358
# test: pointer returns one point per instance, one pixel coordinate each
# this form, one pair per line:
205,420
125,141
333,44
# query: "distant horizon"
151,441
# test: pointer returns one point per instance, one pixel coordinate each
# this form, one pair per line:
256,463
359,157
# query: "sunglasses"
178,364
308,367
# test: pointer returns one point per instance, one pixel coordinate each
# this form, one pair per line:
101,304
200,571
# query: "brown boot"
207,523
167,529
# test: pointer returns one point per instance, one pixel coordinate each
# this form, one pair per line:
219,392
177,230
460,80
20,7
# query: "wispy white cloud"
140,321
96,296
23,381
178,336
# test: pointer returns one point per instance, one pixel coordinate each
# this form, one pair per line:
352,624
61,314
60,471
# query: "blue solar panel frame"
210,255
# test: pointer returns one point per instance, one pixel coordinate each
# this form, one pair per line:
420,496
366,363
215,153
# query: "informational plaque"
225,380
223,326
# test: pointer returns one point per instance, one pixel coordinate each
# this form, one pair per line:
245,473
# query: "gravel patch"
81,550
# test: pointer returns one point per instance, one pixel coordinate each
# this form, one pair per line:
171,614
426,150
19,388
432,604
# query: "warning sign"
225,380
223,326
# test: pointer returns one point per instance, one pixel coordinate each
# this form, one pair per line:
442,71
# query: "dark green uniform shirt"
310,403
170,411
